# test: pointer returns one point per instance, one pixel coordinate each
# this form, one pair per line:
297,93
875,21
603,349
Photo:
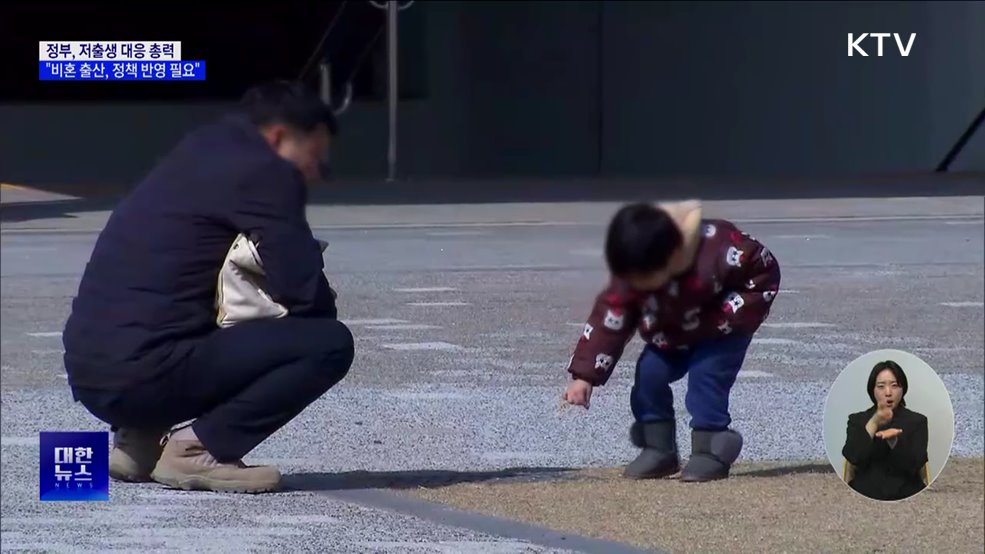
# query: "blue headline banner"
190,70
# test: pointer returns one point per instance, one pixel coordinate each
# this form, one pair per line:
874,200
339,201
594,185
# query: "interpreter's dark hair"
897,373
289,103
640,239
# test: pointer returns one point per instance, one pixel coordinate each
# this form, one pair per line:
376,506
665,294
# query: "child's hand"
578,393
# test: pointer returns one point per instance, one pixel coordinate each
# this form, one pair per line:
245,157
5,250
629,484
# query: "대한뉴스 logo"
74,466
855,43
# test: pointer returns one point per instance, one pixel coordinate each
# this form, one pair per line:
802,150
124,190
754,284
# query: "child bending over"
696,290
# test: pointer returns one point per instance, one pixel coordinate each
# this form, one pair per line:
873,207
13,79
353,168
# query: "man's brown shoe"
187,465
134,454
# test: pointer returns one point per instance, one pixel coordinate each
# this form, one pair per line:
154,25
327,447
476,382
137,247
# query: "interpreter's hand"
578,393
887,434
883,415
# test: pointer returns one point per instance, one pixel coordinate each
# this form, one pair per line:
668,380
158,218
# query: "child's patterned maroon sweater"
729,289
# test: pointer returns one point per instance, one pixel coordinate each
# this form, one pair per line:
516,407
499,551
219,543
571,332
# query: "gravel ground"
763,508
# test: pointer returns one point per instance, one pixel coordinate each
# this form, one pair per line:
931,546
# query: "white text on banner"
101,51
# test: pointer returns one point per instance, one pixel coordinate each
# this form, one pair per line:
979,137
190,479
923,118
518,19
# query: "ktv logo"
855,43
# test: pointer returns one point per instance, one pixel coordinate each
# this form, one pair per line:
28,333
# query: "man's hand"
578,393
887,434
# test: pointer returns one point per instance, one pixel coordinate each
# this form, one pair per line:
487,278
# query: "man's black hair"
897,373
640,239
289,103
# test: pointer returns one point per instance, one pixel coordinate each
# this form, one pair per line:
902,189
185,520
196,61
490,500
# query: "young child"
696,291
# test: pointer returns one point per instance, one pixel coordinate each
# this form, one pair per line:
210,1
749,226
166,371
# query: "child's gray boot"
659,457
712,455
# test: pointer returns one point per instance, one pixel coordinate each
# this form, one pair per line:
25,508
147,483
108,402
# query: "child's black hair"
640,239
289,103
897,372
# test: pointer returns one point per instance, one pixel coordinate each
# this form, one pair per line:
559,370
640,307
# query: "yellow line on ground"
14,187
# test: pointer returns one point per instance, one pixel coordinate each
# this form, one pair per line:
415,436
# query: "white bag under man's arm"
240,294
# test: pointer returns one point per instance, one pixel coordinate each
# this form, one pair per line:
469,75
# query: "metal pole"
325,82
962,141
391,42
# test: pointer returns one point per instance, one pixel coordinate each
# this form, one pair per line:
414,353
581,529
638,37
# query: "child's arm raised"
610,327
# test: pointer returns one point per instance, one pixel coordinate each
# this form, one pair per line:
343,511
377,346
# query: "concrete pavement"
34,210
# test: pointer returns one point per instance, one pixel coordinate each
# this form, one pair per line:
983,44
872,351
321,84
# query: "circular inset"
888,425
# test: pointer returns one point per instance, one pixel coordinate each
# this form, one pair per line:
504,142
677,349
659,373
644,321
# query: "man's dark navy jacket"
148,291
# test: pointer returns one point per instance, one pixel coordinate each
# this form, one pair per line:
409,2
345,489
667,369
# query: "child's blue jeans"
711,368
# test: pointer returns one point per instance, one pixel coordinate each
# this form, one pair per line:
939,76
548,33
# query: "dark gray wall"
768,88
625,88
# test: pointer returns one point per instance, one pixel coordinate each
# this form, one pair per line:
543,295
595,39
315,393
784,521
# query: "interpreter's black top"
149,288
885,473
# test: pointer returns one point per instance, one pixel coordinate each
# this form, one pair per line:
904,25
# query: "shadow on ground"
783,471
19,212
561,189
351,480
